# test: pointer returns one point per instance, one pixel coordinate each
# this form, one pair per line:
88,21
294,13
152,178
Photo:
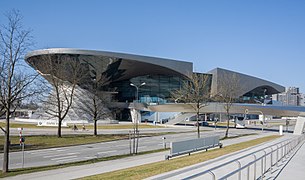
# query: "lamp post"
137,88
263,121
135,129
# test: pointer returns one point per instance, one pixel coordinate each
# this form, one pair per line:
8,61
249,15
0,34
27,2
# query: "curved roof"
247,83
121,66
136,63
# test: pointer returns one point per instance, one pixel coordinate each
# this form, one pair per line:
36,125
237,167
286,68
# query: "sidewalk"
196,171
294,169
108,166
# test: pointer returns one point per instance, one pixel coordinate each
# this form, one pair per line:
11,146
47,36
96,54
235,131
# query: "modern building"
302,99
127,74
291,97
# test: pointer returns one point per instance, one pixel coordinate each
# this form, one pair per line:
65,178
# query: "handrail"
293,142
248,165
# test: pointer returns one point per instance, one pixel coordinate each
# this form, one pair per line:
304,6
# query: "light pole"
135,130
137,88
263,121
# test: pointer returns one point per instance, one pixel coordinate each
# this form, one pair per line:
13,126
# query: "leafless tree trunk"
229,88
196,92
64,72
14,82
95,103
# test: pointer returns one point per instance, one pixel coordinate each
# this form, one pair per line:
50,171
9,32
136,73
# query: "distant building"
291,97
302,99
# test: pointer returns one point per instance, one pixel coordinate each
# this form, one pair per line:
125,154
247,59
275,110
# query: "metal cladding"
120,66
247,83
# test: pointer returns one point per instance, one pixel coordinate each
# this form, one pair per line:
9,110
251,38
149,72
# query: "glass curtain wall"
157,88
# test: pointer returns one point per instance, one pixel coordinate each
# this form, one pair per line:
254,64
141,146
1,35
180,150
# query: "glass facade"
157,88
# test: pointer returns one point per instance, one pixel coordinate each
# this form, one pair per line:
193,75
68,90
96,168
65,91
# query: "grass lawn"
148,170
231,124
110,126
24,125
122,126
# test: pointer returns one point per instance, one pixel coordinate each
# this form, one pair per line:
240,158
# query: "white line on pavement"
57,155
106,152
89,157
43,150
122,145
67,157
43,153
61,150
64,160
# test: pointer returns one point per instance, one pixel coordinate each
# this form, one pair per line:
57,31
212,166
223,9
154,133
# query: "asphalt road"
84,152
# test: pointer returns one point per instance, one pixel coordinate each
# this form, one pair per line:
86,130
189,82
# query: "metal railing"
261,164
193,145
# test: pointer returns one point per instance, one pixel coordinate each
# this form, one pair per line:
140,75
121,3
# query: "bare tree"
196,92
15,81
229,89
95,103
64,73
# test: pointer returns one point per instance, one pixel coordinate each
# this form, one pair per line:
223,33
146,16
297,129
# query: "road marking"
67,160
43,153
43,150
57,155
107,142
106,152
89,157
67,157
61,150
121,145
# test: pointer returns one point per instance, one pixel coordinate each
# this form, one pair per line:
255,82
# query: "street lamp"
137,88
135,129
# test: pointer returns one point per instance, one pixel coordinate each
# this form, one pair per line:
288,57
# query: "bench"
193,145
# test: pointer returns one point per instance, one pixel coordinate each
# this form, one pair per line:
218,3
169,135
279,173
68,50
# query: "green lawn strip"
122,126
231,124
16,172
148,170
90,126
26,125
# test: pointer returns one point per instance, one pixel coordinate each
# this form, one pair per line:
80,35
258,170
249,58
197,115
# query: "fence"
189,146
263,161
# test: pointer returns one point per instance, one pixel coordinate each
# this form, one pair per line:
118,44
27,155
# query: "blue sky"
263,38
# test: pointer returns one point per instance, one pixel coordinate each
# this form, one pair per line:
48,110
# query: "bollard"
281,130
164,143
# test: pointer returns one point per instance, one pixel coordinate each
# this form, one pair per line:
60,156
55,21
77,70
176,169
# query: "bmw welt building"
126,75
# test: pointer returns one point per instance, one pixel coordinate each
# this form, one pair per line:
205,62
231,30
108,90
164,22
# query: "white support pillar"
299,126
135,116
157,118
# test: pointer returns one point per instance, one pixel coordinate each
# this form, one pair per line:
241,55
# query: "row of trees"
196,91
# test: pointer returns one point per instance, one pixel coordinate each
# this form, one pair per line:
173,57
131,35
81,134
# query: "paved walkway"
108,166
225,164
295,168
